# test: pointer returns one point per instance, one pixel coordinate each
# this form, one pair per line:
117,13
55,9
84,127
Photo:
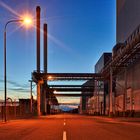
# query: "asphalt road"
69,127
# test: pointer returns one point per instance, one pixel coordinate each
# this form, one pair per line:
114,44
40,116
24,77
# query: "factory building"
127,95
119,94
98,104
83,108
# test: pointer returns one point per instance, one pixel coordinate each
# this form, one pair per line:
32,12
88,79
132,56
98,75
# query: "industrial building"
121,86
98,104
127,96
84,109
102,87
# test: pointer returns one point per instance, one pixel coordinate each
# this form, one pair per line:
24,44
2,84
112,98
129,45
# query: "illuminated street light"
54,91
50,78
27,21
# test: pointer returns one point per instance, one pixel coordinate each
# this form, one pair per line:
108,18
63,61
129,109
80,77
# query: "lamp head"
27,20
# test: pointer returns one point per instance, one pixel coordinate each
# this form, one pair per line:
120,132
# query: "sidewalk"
118,119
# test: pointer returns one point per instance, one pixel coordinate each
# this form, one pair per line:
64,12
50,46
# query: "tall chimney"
45,47
38,37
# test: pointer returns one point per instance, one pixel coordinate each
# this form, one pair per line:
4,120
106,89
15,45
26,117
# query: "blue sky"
80,31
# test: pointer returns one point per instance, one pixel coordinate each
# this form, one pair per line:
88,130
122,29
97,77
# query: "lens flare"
27,20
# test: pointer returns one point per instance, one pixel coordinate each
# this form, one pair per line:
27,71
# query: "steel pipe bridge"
65,76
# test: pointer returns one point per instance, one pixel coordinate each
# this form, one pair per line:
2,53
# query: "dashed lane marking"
64,135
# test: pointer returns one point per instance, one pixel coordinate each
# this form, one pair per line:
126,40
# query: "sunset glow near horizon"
79,32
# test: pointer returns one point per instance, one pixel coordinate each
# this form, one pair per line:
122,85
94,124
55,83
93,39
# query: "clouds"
16,90
13,83
16,87
23,90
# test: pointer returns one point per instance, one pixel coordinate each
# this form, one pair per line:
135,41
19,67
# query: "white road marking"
64,135
64,120
64,123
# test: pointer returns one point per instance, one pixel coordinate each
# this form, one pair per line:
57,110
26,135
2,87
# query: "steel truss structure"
67,77
124,54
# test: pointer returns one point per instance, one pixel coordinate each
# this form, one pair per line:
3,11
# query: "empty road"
69,127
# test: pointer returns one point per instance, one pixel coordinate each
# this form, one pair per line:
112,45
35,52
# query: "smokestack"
38,37
45,47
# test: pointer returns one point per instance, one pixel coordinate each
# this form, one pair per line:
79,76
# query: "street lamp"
26,21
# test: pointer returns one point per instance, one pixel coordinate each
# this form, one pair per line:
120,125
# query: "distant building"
84,99
96,104
24,106
103,61
102,87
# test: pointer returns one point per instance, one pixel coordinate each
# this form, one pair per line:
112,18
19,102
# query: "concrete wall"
128,18
136,102
95,105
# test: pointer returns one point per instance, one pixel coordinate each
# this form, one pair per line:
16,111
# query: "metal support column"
31,97
38,97
98,92
125,90
96,105
43,99
104,99
111,95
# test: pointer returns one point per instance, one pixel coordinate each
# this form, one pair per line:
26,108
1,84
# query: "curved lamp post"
27,21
